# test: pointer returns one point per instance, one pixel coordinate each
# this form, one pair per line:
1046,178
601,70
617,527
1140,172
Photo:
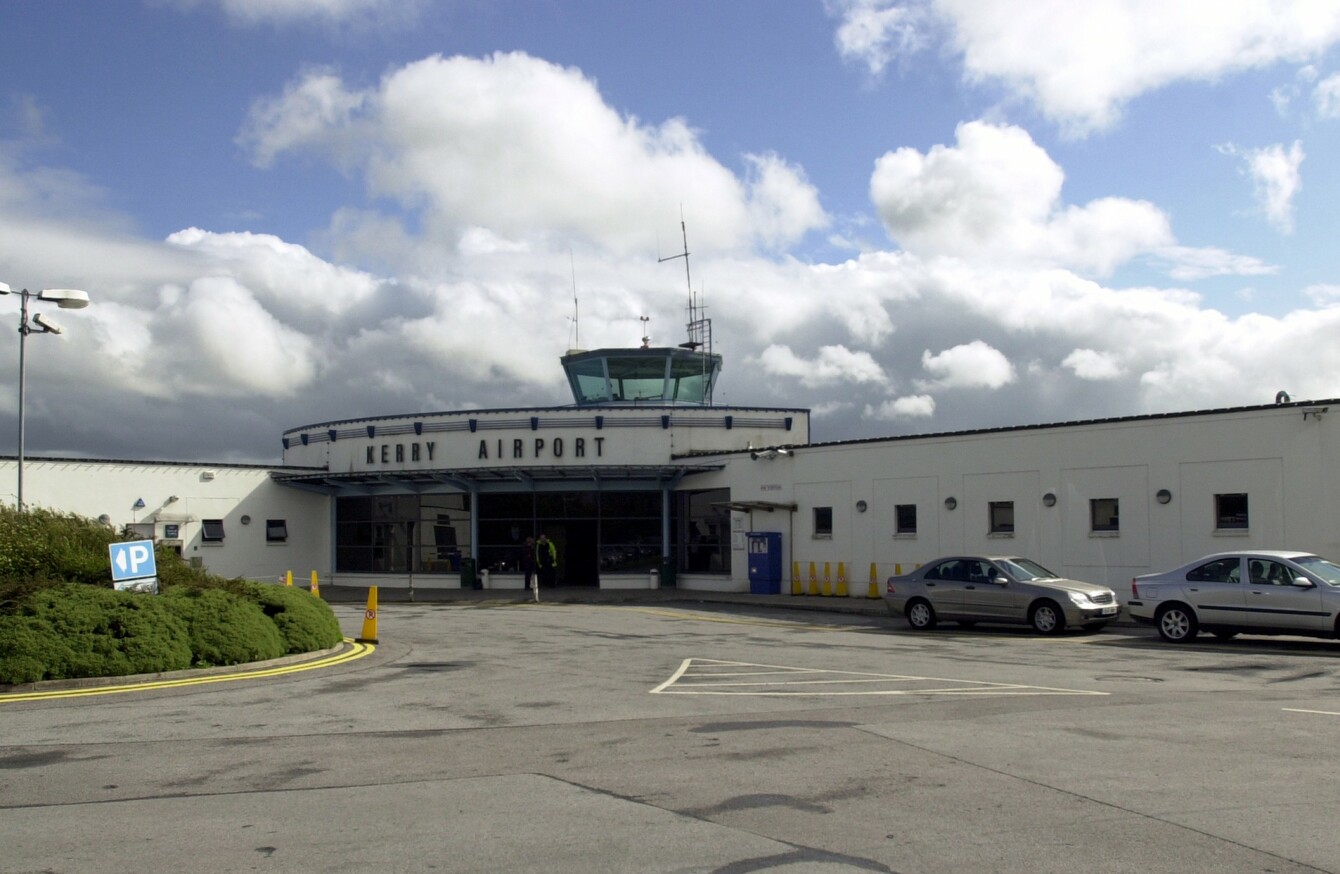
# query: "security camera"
753,455
46,324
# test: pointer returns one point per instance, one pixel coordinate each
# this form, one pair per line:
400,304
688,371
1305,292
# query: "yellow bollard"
316,590
842,580
828,581
796,587
288,578
369,634
814,581
874,582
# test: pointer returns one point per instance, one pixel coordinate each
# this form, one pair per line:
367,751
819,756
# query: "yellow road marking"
355,651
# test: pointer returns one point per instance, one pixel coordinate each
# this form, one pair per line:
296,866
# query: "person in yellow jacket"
546,562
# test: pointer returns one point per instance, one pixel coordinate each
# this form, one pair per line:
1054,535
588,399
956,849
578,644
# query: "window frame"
1112,525
1227,518
822,523
271,525
900,529
997,526
211,531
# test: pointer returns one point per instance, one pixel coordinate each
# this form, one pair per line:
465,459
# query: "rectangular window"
212,530
905,519
276,531
1103,515
1001,515
823,521
1230,511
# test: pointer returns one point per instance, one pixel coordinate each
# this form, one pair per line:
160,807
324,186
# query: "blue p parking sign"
132,560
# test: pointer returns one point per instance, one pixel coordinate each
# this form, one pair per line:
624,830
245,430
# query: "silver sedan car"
998,588
1257,592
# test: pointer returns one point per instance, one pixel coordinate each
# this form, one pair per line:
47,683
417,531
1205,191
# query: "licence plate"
1109,611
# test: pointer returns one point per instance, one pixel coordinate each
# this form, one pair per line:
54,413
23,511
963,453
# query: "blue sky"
909,216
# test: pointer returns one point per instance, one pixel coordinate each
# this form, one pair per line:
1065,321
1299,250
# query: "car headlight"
1079,598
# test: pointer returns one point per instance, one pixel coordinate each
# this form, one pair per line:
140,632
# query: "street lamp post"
65,298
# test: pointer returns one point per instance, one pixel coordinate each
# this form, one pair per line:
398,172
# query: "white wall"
96,488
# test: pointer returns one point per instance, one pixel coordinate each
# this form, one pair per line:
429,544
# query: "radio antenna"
576,328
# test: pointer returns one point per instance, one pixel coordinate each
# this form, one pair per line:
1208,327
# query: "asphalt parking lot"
673,736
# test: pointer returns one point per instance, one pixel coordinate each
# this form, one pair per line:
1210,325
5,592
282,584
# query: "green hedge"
61,619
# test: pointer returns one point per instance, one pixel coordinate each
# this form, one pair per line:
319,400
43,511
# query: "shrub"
72,630
305,621
224,628
61,619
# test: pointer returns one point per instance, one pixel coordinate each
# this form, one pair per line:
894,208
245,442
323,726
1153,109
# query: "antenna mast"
699,326
576,328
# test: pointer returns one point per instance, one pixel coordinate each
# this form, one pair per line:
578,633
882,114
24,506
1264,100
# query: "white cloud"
1187,264
1081,63
1091,364
874,32
1323,295
832,365
1275,179
907,407
1327,96
996,196
971,365
522,146
366,13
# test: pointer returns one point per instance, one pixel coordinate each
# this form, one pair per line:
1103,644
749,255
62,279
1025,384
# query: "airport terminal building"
643,481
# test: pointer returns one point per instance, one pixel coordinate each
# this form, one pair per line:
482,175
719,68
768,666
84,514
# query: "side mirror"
1303,582
1000,580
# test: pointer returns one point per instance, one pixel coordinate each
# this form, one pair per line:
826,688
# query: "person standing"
546,561
528,561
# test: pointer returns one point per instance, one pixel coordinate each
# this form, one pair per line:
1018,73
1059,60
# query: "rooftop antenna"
646,339
576,329
699,326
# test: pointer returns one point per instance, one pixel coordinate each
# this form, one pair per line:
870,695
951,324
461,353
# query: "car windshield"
1328,571
1023,569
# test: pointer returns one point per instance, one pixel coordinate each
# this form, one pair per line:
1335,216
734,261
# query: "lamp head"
4,289
65,298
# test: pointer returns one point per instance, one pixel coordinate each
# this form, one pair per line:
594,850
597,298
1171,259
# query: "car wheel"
1046,618
1176,623
921,615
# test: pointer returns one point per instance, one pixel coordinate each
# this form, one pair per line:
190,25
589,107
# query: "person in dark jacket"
546,561
527,561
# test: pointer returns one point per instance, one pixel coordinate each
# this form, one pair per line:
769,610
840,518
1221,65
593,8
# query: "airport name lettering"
556,448
396,452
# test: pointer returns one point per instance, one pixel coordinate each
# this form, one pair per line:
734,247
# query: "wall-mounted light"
246,520
1049,499
172,499
1163,496
862,506
951,503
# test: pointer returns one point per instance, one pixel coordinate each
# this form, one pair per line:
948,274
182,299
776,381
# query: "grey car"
1268,591
968,589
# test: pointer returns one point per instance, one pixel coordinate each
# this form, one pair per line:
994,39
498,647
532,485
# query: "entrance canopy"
490,479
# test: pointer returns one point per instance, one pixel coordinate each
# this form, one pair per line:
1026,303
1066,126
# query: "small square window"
905,519
1103,515
823,521
1230,511
1001,515
276,531
211,530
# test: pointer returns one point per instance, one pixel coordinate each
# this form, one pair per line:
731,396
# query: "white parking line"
1318,712
716,677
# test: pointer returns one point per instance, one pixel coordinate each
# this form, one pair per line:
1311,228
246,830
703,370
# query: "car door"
1215,590
944,586
987,600
1272,601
